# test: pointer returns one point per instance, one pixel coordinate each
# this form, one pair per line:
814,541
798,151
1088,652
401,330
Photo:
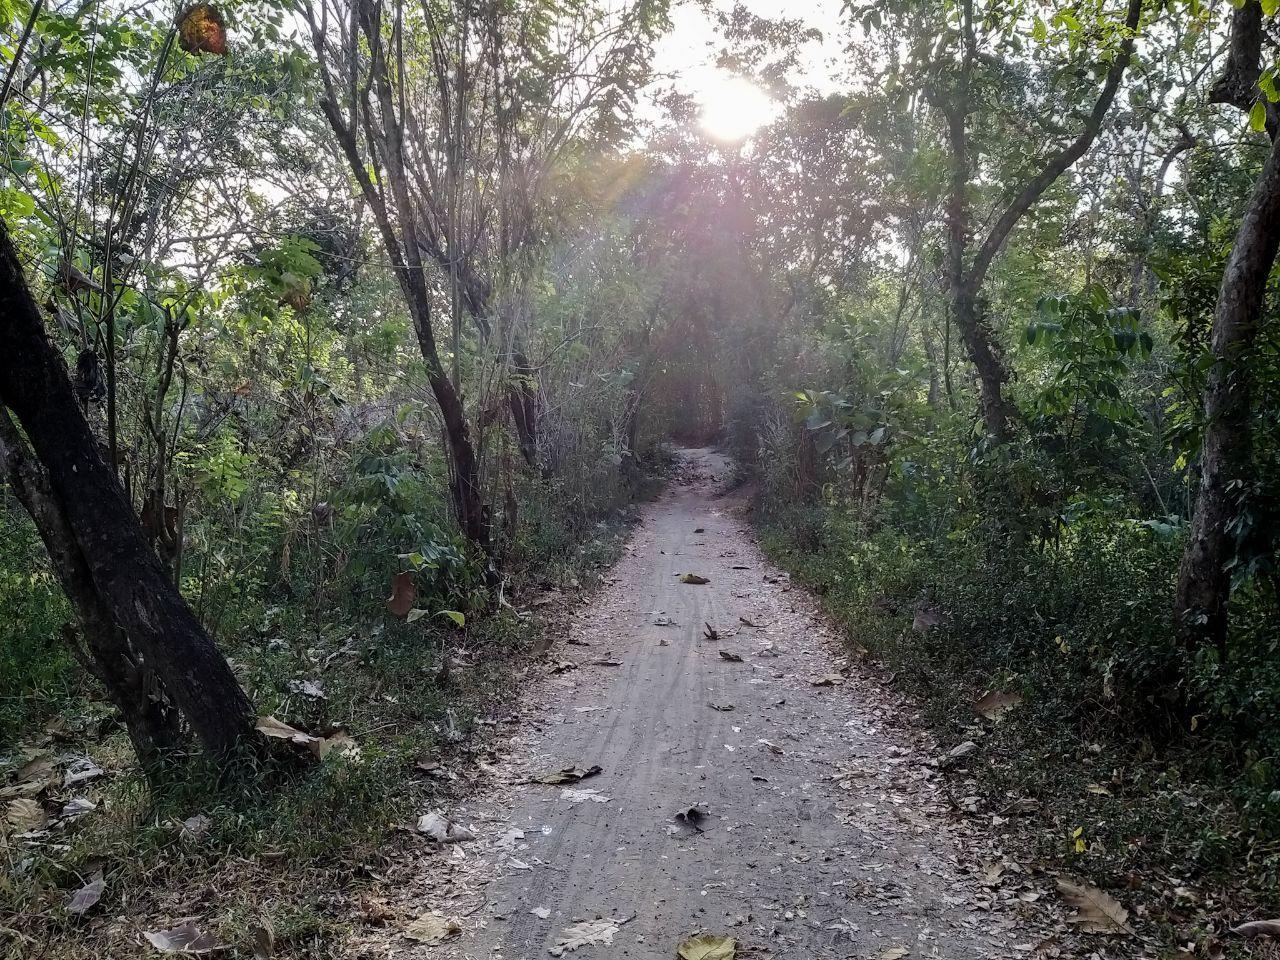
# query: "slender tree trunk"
1204,583
967,279
127,576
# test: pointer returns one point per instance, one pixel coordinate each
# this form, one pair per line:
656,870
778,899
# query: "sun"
733,108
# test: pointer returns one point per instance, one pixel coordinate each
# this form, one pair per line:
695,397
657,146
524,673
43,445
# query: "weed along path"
746,787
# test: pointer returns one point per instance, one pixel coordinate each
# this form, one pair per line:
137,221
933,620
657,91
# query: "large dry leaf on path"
443,830
429,928
1096,910
201,29
184,938
582,796
1258,928
708,946
568,775
585,934
730,656
88,895
893,953
694,579
995,705
403,593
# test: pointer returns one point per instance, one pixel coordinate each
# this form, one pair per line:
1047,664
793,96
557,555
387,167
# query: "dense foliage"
362,299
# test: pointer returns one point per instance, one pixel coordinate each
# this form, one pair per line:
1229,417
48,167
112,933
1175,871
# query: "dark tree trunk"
998,414
1204,585
150,719
522,400
132,585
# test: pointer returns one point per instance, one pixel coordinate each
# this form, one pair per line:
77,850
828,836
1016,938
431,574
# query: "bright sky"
731,107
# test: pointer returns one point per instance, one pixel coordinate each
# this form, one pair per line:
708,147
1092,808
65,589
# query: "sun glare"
733,108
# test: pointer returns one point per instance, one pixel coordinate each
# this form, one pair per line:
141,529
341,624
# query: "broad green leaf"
1258,117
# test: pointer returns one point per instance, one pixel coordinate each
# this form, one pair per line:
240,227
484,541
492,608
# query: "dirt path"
826,833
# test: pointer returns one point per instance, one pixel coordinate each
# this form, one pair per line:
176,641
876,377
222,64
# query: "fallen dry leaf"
730,656
40,767
694,579
443,830
995,705
194,828
893,953
1258,928
430,928
585,934
25,814
279,730
184,938
582,796
1096,910
568,775
708,946
88,895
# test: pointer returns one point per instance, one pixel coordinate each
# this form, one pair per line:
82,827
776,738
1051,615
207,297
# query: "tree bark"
149,717
403,236
1204,583
998,413
131,583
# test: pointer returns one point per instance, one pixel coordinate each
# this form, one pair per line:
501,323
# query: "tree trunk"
1204,583
998,414
131,583
150,719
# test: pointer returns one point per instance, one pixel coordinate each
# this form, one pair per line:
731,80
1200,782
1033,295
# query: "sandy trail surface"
823,831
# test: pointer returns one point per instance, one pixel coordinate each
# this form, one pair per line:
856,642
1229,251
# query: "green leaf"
455,616
1258,117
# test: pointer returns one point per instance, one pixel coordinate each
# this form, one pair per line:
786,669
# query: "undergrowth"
289,846
1097,771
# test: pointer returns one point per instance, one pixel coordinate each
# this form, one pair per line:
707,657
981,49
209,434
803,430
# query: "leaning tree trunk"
149,717
1204,583
133,586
